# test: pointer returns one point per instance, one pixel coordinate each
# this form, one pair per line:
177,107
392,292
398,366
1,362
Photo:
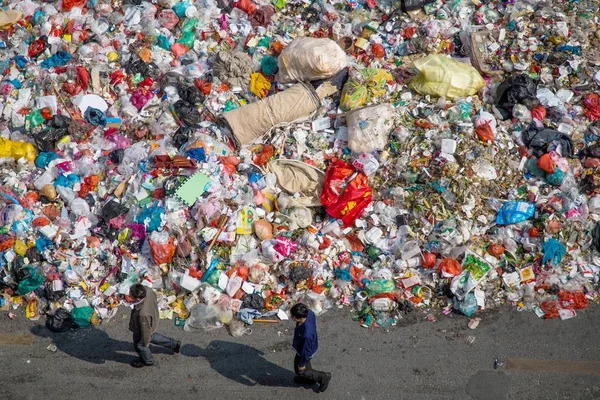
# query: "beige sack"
294,176
308,59
256,119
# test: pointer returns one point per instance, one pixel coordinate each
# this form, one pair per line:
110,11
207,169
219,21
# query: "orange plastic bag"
485,133
550,308
449,267
163,253
538,112
346,192
546,164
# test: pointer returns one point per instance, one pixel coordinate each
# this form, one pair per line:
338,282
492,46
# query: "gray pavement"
415,360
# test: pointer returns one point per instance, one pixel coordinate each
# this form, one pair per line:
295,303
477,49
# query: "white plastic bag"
308,59
369,128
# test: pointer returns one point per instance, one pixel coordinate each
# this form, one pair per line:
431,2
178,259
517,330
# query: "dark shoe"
139,364
325,382
302,381
177,348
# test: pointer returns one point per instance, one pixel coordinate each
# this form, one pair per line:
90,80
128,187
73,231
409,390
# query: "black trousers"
309,375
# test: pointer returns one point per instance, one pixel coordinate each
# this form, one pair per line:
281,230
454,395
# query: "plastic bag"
572,300
82,316
238,329
346,192
467,306
17,150
441,76
31,282
485,133
60,321
513,212
553,251
363,86
187,113
162,253
307,59
412,5
369,128
379,286
203,316
449,267
545,140
519,89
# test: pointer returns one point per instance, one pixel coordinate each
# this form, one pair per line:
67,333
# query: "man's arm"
145,323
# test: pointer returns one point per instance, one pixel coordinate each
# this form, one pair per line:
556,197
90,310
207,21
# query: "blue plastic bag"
553,251
56,60
151,217
513,212
467,306
45,158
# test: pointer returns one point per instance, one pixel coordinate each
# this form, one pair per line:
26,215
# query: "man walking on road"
306,343
143,324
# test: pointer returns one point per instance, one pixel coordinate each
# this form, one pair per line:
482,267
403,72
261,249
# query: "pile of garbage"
237,157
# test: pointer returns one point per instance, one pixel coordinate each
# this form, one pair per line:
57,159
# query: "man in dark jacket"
143,323
306,343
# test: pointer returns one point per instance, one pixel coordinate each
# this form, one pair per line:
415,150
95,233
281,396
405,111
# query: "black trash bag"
61,321
171,79
33,255
545,140
52,295
338,80
113,209
590,151
181,136
589,184
596,236
19,269
191,94
518,89
137,67
300,274
116,156
187,113
46,139
412,5
253,301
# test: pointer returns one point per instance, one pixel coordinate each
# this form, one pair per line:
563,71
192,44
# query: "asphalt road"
415,360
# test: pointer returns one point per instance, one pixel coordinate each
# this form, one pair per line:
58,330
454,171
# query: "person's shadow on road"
241,363
93,345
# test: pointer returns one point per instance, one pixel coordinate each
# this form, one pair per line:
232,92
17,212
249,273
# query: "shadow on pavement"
93,345
241,363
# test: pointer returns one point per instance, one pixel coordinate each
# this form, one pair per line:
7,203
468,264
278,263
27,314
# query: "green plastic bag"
379,286
28,285
187,39
82,316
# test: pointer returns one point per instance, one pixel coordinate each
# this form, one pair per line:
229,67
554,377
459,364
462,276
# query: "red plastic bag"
546,164
247,6
449,267
485,133
572,300
538,112
592,106
550,308
83,78
346,192
163,253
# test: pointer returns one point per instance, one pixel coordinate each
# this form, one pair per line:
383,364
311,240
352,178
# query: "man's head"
299,312
137,292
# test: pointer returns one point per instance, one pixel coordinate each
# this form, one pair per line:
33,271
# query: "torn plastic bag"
60,321
187,113
519,89
116,156
467,306
46,139
32,282
547,140
346,192
162,253
257,119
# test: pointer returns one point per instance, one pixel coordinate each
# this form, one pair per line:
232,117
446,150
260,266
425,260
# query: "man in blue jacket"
306,343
